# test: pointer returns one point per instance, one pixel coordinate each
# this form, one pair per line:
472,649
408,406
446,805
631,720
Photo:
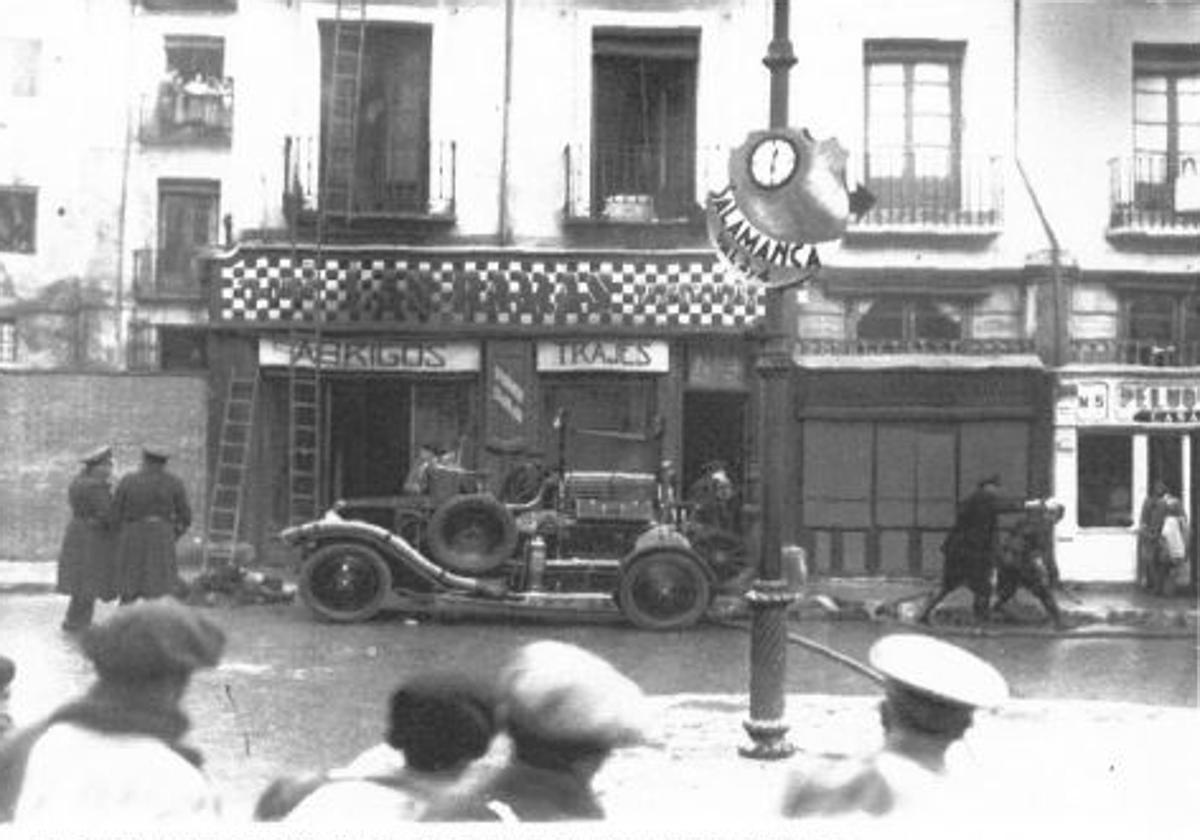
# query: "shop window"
19,60
18,220
905,319
1166,121
611,423
1105,480
913,123
8,340
644,122
389,121
914,476
187,224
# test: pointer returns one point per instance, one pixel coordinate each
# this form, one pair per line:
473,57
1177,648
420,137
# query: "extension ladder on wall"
341,132
233,458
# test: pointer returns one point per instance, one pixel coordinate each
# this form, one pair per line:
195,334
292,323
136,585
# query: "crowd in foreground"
117,756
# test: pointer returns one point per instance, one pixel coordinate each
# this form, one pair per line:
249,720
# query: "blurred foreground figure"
438,724
115,757
932,690
565,711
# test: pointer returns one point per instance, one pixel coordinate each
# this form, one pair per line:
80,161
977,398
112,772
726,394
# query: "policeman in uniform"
151,506
85,563
931,691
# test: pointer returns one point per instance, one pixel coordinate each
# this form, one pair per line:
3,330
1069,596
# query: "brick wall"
47,420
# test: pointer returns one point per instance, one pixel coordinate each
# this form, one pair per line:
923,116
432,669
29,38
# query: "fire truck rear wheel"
664,590
345,582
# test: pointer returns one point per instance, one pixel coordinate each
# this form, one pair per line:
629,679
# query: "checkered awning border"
681,291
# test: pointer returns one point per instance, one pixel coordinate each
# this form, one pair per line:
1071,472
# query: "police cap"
928,667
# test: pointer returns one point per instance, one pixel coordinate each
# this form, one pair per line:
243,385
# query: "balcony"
1109,351
1142,201
168,276
966,201
197,112
641,184
915,347
376,205
190,5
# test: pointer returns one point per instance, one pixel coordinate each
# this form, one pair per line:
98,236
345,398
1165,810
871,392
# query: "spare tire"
472,534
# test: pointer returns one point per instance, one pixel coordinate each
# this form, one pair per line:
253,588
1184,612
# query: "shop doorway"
369,435
714,429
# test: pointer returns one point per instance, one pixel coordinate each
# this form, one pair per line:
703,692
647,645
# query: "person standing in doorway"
1150,522
151,507
86,564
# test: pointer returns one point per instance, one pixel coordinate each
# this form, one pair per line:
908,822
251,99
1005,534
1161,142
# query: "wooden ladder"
233,457
345,89
304,434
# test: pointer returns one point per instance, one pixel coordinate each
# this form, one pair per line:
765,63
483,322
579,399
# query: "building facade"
455,218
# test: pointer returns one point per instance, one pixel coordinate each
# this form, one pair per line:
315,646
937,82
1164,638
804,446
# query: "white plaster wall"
1077,103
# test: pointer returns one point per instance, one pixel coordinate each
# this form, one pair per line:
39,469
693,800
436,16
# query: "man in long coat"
152,509
86,569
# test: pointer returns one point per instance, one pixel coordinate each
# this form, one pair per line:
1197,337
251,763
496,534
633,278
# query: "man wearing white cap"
565,711
931,691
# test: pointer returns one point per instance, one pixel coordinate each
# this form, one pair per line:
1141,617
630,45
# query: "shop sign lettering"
620,355
1160,402
370,354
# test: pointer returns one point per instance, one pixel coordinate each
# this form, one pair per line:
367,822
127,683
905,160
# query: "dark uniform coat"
152,510
86,564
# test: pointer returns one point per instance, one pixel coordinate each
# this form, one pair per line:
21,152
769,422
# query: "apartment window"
8,340
1166,119
187,223
904,319
913,105
18,219
182,348
644,121
19,61
376,146
1163,328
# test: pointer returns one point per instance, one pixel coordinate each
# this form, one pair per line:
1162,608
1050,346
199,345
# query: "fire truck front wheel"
345,582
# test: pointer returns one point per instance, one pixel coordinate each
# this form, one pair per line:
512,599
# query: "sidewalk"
1088,609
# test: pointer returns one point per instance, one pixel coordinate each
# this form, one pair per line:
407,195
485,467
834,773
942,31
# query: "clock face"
772,162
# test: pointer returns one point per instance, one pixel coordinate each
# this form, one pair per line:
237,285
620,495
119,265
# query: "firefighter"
1025,559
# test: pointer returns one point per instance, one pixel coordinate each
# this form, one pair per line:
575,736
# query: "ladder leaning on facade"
233,457
336,196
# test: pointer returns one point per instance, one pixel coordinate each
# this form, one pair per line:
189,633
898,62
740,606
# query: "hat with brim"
994,478
921,666
155,451
560,693
97,455
153,639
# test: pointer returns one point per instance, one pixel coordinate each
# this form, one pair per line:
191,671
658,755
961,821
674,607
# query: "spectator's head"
562,704
1159,488
441,721
932,688
153,641
8,670
990,482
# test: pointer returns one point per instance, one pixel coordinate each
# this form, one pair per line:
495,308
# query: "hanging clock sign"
787,192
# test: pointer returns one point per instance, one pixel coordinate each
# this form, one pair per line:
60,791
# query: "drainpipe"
503,234
1058,307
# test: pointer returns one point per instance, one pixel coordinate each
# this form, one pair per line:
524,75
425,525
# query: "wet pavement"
296,693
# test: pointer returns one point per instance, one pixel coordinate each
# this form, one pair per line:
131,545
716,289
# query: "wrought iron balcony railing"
914,346
432,196
168,276
1131,352
1143,197
922,192
198,112
640,184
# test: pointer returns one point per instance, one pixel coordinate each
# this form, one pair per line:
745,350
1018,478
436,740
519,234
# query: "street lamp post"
770,596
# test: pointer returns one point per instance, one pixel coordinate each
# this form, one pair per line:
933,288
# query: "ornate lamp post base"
769,599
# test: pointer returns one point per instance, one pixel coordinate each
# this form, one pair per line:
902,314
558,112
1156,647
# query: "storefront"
886,455
1114,438
477,353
